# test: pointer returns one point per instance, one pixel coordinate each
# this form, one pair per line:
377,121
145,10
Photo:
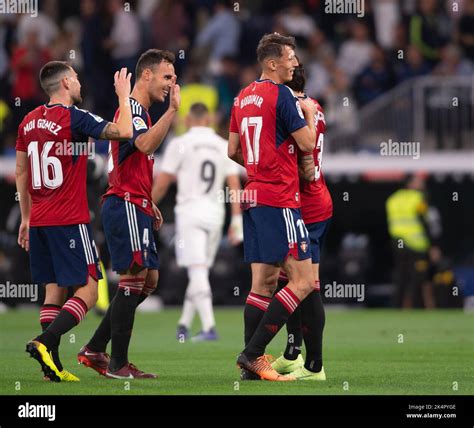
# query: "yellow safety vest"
403,210
195,93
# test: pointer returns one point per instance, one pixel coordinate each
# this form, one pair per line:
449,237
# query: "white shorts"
196,244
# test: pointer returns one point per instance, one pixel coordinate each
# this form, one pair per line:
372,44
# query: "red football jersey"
56,140
264,115
316,202
130,170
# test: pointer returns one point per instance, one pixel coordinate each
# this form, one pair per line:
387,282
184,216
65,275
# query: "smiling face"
160,78
284,66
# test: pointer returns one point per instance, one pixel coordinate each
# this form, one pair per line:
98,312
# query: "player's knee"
266,287
305,285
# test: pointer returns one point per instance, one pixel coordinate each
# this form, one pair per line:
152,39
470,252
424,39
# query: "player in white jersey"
198,162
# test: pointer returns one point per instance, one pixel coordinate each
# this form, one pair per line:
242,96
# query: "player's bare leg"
94,354
71,314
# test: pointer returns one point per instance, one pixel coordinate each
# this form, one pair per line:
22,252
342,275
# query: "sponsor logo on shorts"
304,246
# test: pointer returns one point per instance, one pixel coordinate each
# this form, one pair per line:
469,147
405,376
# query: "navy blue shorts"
317,233
129,235
65,255
271,234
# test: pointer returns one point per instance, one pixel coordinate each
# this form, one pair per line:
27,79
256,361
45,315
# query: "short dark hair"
299,79
50,73
198,110
271,46
152,57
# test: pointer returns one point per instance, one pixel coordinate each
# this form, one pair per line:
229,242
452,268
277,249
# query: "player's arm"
161,186
306,166
150,140
21,175
305,137
122,129
236,232
234,150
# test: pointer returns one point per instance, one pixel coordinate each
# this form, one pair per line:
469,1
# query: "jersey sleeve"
20,143
139,124
173,157
289,111
86,124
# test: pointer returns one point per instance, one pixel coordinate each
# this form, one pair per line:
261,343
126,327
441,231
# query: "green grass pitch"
366,352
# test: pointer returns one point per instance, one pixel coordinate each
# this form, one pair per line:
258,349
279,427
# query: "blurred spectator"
375,79
387,16
43,25
429,30
171,26
318,75
414,65
355,53
96,59
124,41
296,23
228,85
248,74
466,30
452,63
340,106
27,60
221,33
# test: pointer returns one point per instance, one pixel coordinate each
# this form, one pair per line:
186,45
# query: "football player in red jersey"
51,166
307,322
129,216
268,126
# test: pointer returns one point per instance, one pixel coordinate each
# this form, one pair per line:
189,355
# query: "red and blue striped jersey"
56,140
264,115
130,170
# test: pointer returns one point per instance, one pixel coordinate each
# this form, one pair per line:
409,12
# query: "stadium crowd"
214,40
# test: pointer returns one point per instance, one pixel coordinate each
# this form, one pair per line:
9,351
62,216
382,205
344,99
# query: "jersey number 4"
253,147
45,169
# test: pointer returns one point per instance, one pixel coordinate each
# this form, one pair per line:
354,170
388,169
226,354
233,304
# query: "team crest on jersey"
304,246
139,123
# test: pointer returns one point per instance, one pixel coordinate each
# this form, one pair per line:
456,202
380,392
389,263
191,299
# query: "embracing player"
307,321
129,216
268,125
51,167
